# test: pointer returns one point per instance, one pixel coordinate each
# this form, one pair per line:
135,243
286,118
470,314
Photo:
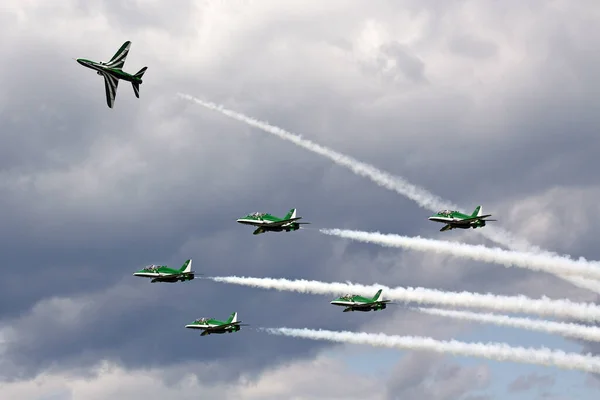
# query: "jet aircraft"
112,71
359,303
210,325
457,220
162,273
269,223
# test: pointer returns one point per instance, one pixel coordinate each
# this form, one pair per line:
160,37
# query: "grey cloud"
89,194
527,382
472,47
410,65
427,377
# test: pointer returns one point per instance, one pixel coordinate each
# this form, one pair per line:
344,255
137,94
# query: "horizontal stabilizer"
136,89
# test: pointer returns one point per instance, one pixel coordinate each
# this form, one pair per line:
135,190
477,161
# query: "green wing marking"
110,86
118,60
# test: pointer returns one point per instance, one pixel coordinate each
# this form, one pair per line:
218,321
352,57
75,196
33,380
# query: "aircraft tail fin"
378,296
187,266
136,84
232,318
478,212
290,214
140,73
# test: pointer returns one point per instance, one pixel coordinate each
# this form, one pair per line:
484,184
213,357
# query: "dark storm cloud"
79,219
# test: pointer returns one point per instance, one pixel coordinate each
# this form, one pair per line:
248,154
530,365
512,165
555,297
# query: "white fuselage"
444,219
345,303
200,326
151,274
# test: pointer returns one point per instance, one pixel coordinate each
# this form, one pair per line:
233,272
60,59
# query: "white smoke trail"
420,195
538,262
517,304
591,333
491,351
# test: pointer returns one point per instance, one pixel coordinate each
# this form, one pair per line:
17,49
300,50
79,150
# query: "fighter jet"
210,325
455,219
162,273
269,223
112,71
359,303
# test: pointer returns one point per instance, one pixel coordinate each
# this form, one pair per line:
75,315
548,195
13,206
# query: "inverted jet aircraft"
358,303
210,325
162,273
269,223
112,71
457,220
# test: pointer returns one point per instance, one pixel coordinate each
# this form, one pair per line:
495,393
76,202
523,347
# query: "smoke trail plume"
538,262
421,196
400,185
517,304
577,331
492,351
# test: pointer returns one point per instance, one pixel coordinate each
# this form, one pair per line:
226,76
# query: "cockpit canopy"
347,296
258,214
151,267
445,212
202,320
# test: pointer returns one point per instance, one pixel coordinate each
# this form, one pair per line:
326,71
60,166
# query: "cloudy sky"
481,102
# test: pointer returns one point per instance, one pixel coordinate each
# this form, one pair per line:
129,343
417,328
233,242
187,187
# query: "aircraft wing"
446,228
182,274
258,231
476,218
238,323
372,303
278,223
118,60
110,86
206,331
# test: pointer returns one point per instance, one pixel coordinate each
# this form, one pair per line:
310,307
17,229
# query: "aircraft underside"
172,280
467,226
230,330
367,308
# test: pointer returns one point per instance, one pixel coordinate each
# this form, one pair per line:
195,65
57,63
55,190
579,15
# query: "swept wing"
110,86
276,223
118,60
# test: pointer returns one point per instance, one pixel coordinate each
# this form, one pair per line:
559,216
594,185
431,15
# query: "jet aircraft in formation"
162,273
457,220
354,302
112,71
211,325
269,223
